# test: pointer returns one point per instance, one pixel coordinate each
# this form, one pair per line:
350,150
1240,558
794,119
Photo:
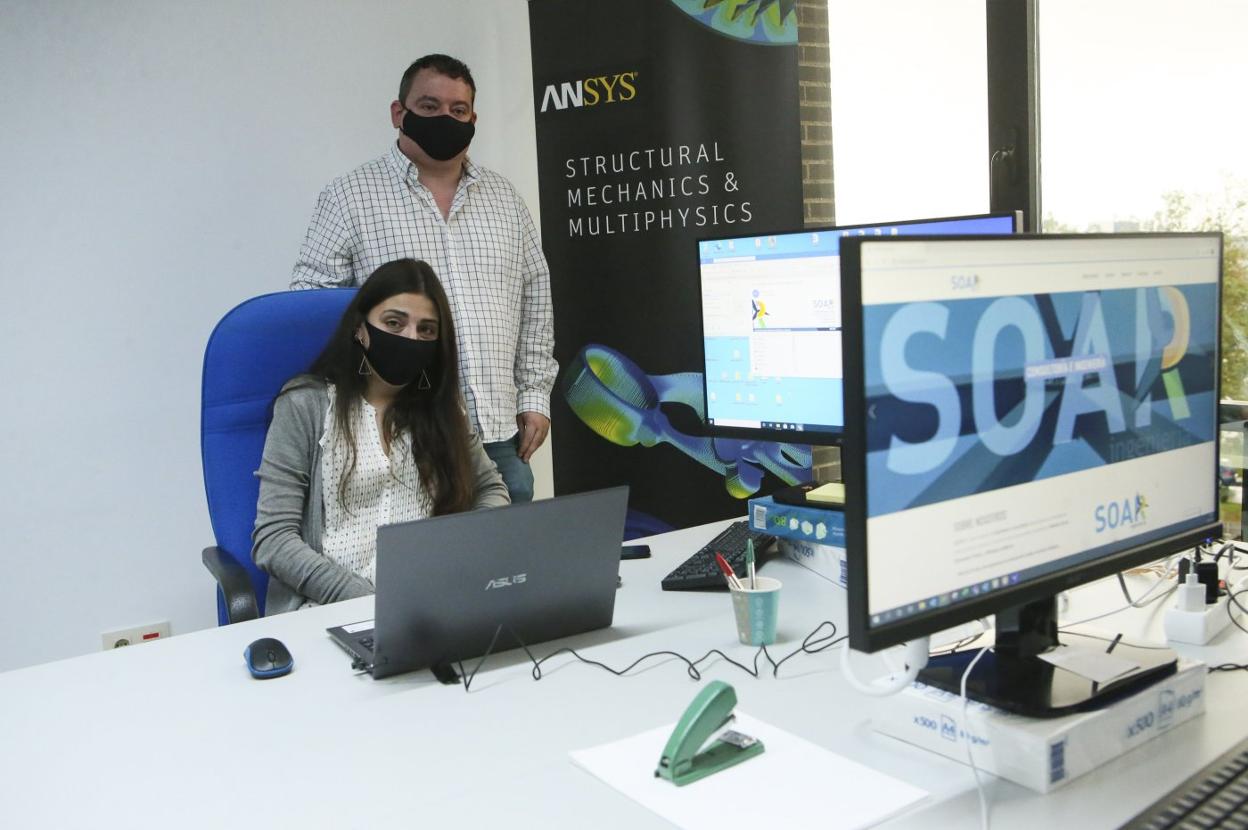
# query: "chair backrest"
257,347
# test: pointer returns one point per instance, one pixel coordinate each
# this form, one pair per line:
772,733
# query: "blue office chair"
256,348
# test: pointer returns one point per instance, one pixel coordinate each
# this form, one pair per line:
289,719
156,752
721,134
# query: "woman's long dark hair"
434,418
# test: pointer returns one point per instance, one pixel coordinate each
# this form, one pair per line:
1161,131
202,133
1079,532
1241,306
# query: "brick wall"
813,66
818,203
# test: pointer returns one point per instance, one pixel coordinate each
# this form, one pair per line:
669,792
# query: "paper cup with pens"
756,609
755,603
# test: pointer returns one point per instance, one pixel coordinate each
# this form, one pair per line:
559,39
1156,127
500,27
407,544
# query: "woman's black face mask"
399,360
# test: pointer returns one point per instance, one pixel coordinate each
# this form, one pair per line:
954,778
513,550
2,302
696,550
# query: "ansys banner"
659,122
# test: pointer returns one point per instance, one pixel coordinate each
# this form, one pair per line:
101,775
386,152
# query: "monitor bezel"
831,437
867,638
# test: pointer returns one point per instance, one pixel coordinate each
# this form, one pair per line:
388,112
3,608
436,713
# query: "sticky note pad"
831,493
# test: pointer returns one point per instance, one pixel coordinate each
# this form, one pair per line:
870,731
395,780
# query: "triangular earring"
423,383
364,367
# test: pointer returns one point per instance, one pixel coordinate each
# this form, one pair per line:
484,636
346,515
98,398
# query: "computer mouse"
268,657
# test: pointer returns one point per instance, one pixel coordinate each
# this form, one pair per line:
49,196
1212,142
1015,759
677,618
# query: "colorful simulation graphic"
620,402
756,21
971,395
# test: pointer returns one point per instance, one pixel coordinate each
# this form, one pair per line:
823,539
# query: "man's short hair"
443,65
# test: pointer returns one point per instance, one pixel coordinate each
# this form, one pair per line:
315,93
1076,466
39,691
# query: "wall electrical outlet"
133,636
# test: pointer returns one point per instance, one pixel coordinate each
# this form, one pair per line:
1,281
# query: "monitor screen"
771,326
1026,414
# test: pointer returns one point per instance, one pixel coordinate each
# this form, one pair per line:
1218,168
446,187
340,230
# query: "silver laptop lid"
545,569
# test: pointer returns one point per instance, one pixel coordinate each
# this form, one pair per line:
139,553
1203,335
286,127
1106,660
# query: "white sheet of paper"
794,783
1095,664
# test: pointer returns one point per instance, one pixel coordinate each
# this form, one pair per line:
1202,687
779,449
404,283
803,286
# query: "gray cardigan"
290,514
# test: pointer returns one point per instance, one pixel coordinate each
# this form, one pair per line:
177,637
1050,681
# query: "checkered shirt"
488,255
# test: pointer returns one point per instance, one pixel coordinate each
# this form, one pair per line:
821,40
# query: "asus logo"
505,581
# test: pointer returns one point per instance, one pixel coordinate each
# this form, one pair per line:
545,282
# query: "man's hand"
533,429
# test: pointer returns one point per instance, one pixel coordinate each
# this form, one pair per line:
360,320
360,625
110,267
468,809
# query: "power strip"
1196,627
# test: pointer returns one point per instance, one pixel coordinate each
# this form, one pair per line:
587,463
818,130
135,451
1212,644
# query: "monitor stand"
1012,676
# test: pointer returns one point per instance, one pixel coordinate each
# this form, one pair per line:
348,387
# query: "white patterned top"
381,489
487,254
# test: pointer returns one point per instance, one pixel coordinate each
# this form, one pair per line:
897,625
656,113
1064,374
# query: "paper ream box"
1043,754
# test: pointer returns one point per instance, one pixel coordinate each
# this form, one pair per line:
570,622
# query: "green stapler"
681,762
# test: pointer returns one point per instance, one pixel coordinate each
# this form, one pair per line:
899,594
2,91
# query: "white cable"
1171,565
1139,603
1171,568
915,658
970,759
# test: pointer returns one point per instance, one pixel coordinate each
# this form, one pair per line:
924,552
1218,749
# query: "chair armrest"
235,583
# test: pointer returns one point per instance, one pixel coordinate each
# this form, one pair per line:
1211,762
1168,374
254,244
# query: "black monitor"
1023,415
771,325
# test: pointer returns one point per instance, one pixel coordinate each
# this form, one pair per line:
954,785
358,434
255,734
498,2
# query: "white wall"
159,161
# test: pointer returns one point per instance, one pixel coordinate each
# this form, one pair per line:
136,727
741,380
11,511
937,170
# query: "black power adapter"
1207,574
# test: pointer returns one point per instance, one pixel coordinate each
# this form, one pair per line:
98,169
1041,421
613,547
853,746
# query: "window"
909,109
1142,129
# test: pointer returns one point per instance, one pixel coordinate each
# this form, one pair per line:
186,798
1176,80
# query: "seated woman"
374,433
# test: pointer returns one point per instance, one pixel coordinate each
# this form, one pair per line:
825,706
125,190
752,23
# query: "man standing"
425,199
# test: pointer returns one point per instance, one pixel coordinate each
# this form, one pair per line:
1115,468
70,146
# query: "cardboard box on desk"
1043,754
823,526
811,536
825,560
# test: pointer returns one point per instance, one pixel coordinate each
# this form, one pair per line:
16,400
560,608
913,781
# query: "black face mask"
441,136
399,360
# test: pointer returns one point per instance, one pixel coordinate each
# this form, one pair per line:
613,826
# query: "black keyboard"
699,572
1217,796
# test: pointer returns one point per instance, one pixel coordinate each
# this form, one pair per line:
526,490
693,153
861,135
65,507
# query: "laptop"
545,569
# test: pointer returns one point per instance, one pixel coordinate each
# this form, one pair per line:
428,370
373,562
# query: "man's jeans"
517,475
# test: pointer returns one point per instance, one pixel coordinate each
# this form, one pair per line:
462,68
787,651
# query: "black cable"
1229,549
1142,603
690,665
1237,547
1233,599
1122,583
812,643
953,648
488,650
752,672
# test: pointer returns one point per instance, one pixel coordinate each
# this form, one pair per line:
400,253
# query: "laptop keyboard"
699,572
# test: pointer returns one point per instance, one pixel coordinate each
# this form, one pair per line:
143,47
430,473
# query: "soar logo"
589,92
758,308
1127,512
1053,364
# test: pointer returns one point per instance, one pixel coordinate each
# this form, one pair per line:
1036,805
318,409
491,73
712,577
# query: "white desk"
177,734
